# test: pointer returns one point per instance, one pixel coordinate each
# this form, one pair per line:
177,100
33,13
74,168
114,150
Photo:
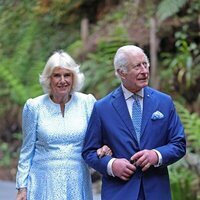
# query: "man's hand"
145,159
104,150
21,194
123,169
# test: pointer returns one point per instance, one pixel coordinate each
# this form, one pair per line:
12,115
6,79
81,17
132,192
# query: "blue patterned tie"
136,116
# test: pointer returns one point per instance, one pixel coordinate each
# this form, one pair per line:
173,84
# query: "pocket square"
157,115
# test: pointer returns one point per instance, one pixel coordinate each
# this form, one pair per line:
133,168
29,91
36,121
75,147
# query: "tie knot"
136,97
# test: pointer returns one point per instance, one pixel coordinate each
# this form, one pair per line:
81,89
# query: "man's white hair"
121,60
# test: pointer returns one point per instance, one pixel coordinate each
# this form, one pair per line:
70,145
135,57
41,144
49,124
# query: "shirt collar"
128,94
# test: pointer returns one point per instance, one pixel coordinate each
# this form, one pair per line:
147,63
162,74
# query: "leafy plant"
5,156
167,8
17,91
9,152
191,122
184,175
183,67
99,70
182,182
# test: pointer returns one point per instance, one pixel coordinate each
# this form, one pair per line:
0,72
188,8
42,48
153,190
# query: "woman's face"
61,82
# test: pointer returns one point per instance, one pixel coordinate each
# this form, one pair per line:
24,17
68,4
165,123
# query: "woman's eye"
56,75
67,75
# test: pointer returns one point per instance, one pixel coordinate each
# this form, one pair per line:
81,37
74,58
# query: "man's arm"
93,141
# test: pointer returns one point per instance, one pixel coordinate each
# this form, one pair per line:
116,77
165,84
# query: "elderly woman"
54,125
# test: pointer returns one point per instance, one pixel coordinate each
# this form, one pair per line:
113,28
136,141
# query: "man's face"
137,75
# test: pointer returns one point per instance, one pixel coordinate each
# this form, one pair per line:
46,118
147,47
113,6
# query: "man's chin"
144,84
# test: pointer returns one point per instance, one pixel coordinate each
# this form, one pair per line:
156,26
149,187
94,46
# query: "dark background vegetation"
91,31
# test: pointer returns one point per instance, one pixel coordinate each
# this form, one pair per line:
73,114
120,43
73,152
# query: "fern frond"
168,8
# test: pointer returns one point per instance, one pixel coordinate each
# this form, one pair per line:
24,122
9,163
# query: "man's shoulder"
156,92
110,96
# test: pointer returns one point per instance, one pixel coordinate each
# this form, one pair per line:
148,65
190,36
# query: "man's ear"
121,73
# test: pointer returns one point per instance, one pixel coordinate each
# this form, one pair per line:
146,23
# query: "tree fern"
184,175
17,91
168,8
99,70
191,122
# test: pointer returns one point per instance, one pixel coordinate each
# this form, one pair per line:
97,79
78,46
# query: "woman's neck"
62,100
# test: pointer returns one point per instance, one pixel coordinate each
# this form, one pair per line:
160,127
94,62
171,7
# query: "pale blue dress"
50,165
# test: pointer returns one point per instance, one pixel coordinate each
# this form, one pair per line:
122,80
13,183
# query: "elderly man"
143,130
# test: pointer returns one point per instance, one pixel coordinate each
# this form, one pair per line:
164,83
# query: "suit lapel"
148,107
120,106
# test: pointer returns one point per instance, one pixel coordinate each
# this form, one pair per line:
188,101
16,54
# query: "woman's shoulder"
85,101
34,102
84,97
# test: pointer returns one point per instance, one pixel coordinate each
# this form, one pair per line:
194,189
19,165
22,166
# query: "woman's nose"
62,78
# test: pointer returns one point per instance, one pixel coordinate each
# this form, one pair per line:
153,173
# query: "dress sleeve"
29,126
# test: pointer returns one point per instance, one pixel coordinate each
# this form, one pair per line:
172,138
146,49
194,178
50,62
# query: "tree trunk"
84,31
153,53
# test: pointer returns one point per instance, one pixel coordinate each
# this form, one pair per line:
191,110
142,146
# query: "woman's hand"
21,194
103,151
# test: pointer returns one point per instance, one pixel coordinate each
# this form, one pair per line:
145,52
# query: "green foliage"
59,11
192,126
4,96
182,180
168,8
5,156
191,122
193,9
75,48
99,70
26,41
16,44
8,152
183,68
17,91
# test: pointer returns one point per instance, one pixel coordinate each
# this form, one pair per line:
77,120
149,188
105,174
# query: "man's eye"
138,65
144,63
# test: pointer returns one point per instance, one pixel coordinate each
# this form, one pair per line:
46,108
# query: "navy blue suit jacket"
111,124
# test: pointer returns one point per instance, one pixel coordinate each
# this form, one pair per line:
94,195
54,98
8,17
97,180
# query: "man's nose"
143,68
